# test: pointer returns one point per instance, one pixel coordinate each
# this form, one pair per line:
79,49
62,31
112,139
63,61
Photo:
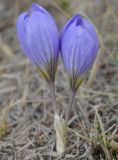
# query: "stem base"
61,133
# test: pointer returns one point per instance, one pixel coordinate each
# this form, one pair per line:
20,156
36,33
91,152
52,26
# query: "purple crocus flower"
38,37
78,47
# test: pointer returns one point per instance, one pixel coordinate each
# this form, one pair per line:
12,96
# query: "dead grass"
26,119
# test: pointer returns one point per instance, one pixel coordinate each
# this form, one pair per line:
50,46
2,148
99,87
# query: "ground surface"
25,99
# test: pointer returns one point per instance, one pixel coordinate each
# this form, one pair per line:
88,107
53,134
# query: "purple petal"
78,46
38,36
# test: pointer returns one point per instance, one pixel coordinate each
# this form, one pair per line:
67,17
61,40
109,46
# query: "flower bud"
38,37
78,47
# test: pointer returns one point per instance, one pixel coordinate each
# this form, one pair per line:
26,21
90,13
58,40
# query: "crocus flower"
78,47
38,37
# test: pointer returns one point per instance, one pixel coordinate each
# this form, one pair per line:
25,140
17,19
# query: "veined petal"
38,37
78,46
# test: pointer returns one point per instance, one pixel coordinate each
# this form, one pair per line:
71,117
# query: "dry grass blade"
5,48
112,12
95,68
103,135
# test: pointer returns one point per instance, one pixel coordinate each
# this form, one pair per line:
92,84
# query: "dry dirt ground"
26,118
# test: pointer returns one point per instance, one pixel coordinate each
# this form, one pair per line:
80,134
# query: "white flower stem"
67,114
53,97
59,124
